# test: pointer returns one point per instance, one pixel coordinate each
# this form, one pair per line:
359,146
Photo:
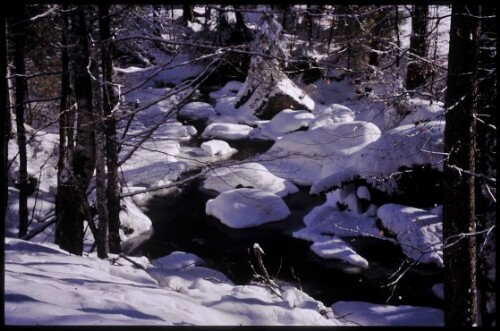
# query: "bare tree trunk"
416,71
65,93
4,131
18,31
101,200
459,219
486,164
72,207
309,21
187,13
109,102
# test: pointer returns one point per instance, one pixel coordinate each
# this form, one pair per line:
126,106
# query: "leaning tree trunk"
18,31
459,221
416,70
72,207
108,104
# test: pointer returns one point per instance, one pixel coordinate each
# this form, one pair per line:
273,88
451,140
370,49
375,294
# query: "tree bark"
72,207
65,93
459,221
18,31
109,102
187,13
416,70
486,165
4,131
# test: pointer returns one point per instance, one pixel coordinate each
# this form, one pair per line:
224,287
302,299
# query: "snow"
418,231
342,137
334,113
229,131
286,121
247,207
248,174
197,110
369,314
217,147
45,285
230,89
336,248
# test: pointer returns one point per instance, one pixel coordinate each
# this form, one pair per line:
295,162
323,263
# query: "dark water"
180,223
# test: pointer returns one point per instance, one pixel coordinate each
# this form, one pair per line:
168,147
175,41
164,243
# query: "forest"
249,164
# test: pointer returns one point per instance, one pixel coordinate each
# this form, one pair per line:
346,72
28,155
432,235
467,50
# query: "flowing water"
180,224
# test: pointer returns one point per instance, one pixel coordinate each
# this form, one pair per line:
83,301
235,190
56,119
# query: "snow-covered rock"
406,145
227,131
334,113
285,121
418,231
197,110
300,170
248,174
336,248
246,207
217,147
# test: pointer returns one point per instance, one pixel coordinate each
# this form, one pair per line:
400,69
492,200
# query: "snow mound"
249,174
335,139
133,221
300,170
197,110
176,130
336,248
245,207
329,220
335,113
285,121
370,314
227,131
422,111
217,147
418,231
406,145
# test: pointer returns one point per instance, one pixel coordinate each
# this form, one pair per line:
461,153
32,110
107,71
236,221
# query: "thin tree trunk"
416,71
486,164
18,32
65,92
459,221
398,39
72,207
4,132
109,101
101,200
187,13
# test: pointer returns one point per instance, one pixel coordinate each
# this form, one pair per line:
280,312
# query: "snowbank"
407,145
45,285
247,207
369,314
418,231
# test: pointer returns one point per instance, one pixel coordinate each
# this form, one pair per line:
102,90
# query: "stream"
180,224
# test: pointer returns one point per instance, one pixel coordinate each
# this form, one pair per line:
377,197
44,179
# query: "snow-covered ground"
337,141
